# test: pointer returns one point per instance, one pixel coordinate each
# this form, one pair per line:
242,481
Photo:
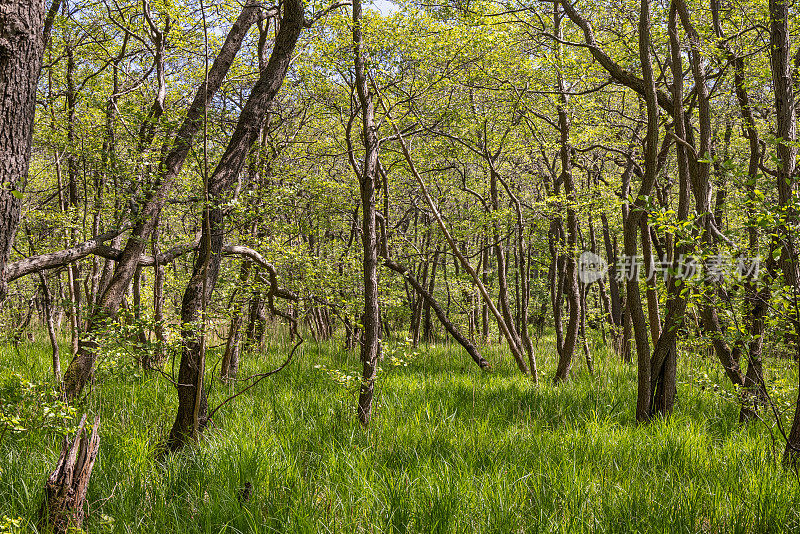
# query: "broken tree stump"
65,491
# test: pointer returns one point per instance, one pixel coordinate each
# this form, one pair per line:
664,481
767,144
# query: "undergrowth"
450,449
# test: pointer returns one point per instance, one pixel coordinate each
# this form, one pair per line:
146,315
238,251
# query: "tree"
192,405
22,42
370,346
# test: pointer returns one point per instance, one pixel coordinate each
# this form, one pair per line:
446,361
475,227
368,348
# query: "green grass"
450,449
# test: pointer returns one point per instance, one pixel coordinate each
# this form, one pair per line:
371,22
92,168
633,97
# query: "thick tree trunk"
21,50
786,134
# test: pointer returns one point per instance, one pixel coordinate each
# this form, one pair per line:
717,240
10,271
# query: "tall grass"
451,449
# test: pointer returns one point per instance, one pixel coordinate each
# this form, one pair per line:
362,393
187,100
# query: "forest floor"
450,449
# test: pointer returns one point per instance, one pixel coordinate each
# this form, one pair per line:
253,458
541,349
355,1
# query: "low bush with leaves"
27,406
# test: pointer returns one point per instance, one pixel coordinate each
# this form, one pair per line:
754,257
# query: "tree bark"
571,275
781,65
192,404
21,49
82,365
636,213
371,322
754,394
65,492
663,367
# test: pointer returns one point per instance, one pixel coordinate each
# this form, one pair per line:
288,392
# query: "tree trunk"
648,264
556,280
158,306
21,50
82,365
754,394
571,278
440,313
613,283
51,331
781,64
427,325
371,323
636,213
230,360
70,202
65,492
484,306
192,404
663,367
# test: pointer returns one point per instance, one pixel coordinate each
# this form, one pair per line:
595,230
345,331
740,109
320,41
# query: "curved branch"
51,260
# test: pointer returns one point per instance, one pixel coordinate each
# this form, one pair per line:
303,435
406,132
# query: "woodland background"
309,267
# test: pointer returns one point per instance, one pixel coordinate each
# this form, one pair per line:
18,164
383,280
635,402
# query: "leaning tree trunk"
192,407
65,492
440,313
82,365
504,330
